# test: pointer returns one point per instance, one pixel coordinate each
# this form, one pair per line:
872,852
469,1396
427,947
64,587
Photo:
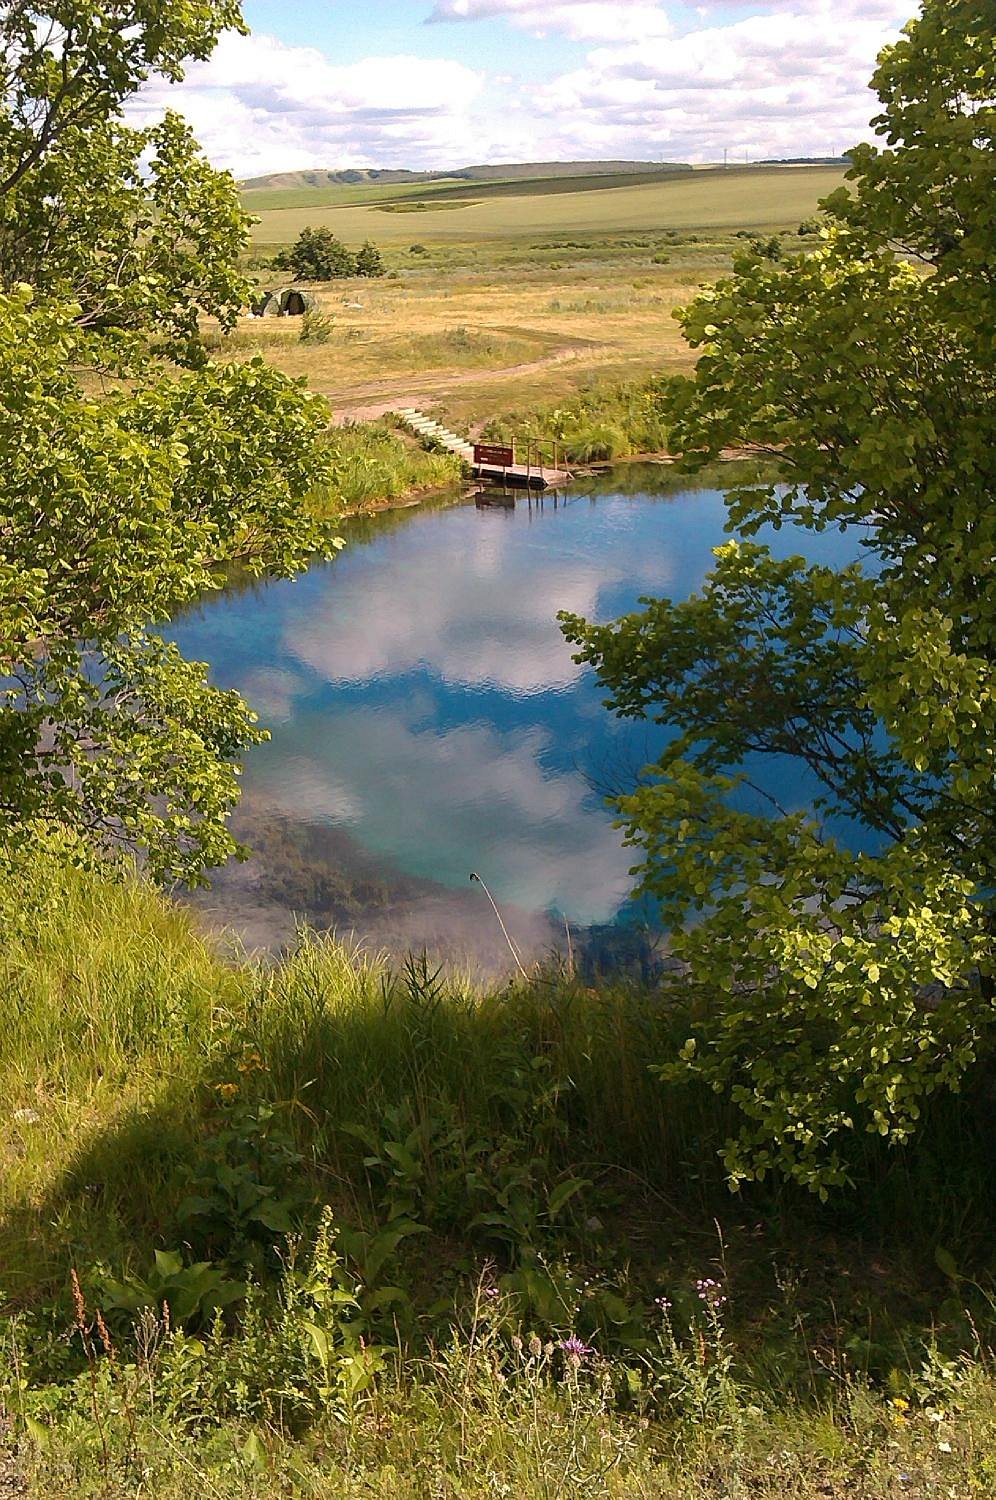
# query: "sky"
431,84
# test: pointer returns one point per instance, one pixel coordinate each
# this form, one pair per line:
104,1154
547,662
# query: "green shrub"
317,255
369,261
317,327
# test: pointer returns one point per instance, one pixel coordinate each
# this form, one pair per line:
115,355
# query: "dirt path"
365,403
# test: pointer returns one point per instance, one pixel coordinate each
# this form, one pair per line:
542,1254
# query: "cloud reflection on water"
444,801
482,616
426,712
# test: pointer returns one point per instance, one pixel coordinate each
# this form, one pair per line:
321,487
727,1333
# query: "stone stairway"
530,475
435,432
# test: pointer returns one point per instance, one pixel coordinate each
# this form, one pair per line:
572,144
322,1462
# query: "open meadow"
504,296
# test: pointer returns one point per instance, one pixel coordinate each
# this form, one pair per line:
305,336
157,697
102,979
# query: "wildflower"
251,1063
576,1349
663,1303
535,1347
228,1091
492,1293
516,1343
710,1292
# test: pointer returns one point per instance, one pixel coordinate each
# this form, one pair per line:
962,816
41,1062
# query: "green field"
764,198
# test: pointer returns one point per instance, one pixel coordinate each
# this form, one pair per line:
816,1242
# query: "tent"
284,302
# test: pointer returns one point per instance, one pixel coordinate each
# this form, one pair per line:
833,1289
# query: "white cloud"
788,83
788,77
583,20
258,105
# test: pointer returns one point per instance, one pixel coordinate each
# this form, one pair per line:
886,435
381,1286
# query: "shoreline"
412,499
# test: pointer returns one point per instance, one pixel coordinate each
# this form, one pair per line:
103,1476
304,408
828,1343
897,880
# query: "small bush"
369,261
317,327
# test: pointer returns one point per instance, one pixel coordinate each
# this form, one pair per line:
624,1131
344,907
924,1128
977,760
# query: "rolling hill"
510,171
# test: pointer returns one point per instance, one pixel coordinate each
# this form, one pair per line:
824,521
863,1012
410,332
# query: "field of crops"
763,198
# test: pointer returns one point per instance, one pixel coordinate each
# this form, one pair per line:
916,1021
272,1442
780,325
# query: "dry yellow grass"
471,343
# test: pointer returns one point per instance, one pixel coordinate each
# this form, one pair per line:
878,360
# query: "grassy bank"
469,1182
376,464
603,421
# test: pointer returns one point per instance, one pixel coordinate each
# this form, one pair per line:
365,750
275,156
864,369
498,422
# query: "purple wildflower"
575,1348
491,1292
710,1292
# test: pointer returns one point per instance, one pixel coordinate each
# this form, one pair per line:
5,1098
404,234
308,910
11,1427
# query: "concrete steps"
530,476
424,427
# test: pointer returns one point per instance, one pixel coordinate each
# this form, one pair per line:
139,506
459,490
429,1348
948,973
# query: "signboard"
497,458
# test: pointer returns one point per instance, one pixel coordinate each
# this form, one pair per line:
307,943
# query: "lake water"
427,719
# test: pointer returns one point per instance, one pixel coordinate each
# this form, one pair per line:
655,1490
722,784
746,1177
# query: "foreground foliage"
126,487
836,991
406,1231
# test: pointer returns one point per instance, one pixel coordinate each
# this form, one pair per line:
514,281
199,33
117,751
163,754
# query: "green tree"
317,255
79,217
369,261
832,992
117,507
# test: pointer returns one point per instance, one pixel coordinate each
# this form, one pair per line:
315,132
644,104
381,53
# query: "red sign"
496,458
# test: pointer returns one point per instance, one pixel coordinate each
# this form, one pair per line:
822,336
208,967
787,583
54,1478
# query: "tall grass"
602,422
499,1166
374,463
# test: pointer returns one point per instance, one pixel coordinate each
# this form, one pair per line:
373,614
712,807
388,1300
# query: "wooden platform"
518,476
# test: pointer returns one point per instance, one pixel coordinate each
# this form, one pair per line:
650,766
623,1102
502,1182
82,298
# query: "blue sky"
436,83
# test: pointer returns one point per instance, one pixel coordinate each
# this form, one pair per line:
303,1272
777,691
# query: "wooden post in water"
529,456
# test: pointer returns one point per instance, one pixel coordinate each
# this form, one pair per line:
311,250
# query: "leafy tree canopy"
134,225
834,992
119,505
317,255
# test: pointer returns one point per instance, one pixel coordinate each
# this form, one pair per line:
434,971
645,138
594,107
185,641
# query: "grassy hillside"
763,198
483,173
474,1180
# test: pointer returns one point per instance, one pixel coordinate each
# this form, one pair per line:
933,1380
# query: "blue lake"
427,719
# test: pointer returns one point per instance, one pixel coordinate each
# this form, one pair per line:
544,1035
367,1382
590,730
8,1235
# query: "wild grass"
482,341
603,421
473,1179
463,348
375,464
490,1414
